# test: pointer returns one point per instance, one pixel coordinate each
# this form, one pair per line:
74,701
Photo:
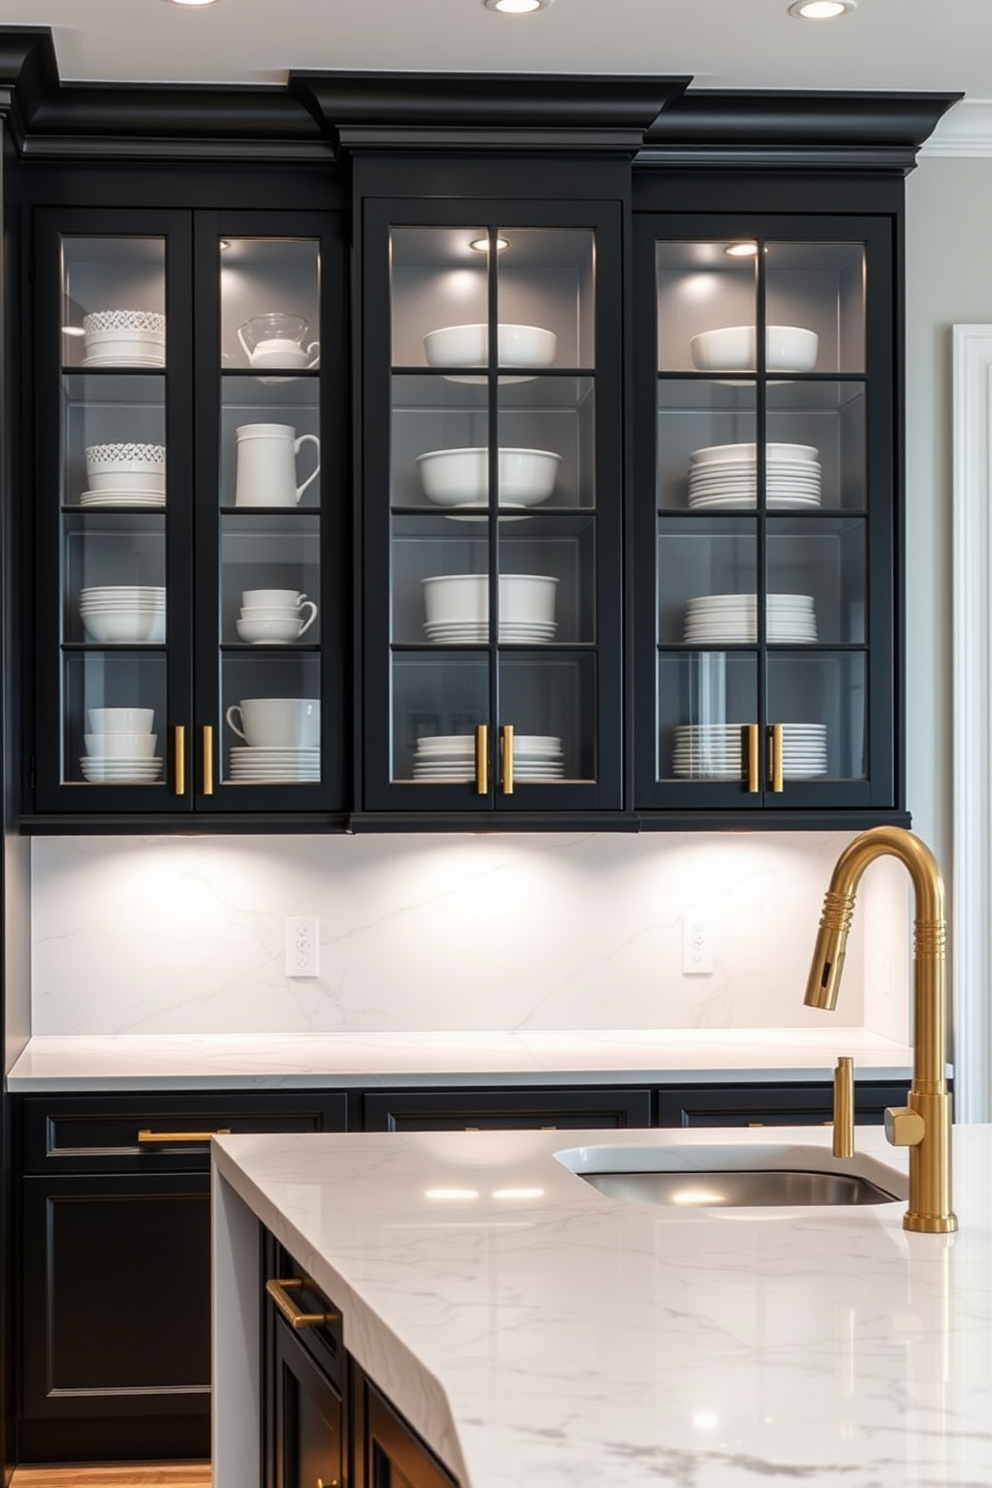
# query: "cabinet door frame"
378,792
880,790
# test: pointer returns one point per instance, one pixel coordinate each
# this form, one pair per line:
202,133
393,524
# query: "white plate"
122,498
774,450
128,361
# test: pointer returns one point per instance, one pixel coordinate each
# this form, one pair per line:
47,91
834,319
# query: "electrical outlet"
302,946
697,941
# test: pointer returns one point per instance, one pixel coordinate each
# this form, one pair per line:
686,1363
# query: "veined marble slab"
257,1061
535,1332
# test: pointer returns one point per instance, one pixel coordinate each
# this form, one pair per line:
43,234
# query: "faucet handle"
843,1141
904,1127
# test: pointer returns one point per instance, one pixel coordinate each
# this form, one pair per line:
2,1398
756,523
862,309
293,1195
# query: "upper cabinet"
766,514
182,656
492,506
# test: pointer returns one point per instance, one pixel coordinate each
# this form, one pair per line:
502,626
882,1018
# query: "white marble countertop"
553,1057
536,1332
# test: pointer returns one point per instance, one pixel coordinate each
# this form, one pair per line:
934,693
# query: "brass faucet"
924,1125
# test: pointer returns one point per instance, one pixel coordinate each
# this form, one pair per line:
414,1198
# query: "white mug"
267,465
277,723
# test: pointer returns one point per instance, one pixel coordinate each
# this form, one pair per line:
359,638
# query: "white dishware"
277,630
133,338
277,722
120,745
456,477
120,720
128,627
115,468
266,469
468,346
120,772
465,597
271,598
732,349
278,340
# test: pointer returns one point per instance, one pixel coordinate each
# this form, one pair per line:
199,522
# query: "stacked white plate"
724,476
712,751
124,475
122,498
511,632
262,763
120,771
714,619
123,614
452,757
120,756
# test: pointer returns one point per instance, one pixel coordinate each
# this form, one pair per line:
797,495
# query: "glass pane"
114,578
817,444
546,297
705,699
707,581
438,281
706,445
270,308
113,441
273,570
817,288
114,720
821,701
437,704
547,441
113,302
439,444
816,581
271,707
269,443
551,702
703,289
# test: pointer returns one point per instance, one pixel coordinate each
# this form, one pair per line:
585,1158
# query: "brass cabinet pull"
506,758
482,759
146,1137
179,761
749,748
208,759
776,759
295,1316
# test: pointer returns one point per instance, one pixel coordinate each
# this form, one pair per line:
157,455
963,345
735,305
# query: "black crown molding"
657,120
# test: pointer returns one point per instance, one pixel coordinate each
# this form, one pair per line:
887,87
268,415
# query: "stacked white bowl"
121,747
457,607
123,614
732,349
124,475
451,757
274,617
731,619
468,346
124,338
460,477
724,476
713,751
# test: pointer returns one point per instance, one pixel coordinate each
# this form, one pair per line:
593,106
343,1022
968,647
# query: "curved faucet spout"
924,1125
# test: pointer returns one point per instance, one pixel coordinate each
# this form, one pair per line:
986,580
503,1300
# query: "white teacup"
277,723
121,720
271,599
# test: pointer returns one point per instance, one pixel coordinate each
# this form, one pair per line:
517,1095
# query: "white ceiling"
885,44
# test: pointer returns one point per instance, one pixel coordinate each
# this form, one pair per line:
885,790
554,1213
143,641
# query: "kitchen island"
533,1331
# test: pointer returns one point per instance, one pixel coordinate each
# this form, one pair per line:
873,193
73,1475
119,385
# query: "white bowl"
120,746
125,467
468,346
457,477
124,320
717,454
120,720
275,631
732,349
128,627
465,597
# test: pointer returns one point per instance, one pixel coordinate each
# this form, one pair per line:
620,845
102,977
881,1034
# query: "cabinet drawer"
149,1133
504,1110
771,1105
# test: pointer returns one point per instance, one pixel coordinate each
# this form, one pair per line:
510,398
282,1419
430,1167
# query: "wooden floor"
116,1475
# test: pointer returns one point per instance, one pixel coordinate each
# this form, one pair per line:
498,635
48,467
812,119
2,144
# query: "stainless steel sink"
740,1189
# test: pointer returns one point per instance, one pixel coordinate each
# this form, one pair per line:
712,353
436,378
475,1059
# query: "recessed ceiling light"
741,250
821,10
517,7
192,2
481,245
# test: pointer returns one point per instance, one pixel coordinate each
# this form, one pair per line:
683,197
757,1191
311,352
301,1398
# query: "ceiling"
943,45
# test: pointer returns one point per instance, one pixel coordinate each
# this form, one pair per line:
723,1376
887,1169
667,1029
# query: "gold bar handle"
147,1138
179,758
776,758
482,759
843,1139
295,1316
506,758
208,759
749,749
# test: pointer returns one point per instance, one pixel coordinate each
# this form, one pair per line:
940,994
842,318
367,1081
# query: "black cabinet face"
308,1418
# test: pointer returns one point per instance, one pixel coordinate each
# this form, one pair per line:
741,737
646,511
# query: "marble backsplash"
536,931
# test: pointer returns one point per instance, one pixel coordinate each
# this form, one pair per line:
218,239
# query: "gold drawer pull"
749,748
776,758
179,758
208,759
482,759
145,1137
506,757
294,1315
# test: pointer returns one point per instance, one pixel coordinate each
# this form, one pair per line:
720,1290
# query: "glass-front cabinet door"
178,516
765,649
492,508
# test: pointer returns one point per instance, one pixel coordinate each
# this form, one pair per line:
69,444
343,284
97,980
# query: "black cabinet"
188,521
114,1267
388,1452
495,1110
771,1105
